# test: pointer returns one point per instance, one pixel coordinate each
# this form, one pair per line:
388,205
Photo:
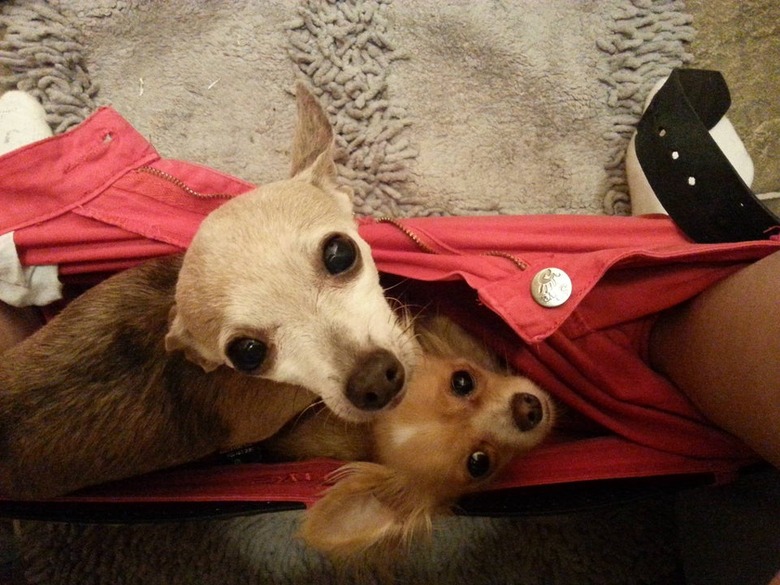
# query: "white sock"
22,121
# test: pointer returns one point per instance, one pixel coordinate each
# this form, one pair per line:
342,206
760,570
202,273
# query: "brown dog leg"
93,396
16,324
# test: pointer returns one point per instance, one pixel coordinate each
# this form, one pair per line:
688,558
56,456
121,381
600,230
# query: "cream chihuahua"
461,421
277,302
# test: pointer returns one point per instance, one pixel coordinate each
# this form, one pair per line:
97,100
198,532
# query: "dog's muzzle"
376,380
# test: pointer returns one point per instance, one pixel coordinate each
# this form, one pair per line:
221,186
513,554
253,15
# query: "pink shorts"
99,199
591,352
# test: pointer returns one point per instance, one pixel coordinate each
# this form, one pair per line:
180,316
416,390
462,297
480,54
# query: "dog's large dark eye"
462,383
246,354
478,464
339,254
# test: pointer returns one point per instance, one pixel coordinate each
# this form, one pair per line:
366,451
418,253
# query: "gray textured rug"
449,107
442,107
631,544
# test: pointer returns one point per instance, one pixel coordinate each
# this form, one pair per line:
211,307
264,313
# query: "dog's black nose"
526,411
376,380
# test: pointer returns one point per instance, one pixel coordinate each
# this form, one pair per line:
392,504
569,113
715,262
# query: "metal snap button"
551,287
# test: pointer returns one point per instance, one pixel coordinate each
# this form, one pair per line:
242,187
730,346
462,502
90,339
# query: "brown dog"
461,421
276,302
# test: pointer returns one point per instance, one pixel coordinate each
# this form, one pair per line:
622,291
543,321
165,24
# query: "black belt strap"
690,175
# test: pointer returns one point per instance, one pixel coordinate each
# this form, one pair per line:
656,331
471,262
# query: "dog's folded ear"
313,148
179,338
371,510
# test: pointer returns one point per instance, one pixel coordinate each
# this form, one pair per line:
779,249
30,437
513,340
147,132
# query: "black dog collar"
686,169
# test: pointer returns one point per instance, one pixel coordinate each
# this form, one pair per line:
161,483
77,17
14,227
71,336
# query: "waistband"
48,178
99,198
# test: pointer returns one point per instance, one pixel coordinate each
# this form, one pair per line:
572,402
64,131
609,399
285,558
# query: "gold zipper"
517,262
409,233
428,250
180,184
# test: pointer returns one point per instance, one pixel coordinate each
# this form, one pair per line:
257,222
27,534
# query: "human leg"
723,351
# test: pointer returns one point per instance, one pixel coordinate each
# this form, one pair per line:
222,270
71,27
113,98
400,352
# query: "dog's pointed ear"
313,148
179,338
370,509
313,138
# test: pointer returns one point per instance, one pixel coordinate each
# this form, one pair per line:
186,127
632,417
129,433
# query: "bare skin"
722,350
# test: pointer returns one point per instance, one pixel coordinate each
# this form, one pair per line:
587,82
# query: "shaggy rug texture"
441,107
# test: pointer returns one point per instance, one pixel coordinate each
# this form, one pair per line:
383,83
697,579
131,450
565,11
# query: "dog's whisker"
316,406
393,286
504,361
308,407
